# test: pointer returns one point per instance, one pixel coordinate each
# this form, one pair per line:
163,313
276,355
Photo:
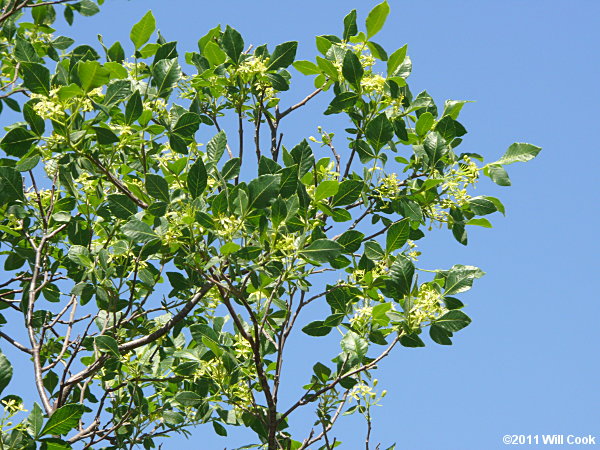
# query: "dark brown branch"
281,115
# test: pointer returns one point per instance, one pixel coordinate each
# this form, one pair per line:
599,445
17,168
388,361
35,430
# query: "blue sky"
529,362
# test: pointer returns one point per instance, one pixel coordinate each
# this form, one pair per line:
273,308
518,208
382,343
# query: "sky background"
528,364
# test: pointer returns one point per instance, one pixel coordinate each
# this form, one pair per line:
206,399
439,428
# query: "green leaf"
105,136
116,53
11,185
352,69
92,75
460,278
197,178
373,250
201,332
519,152
36,78
440,335
326,189
278,82
231,169
157,187
188,398
452,108
338,298
25,52
283,55
187,124
424,123
87,8
216,147
379,131
348,192
350,27
355,345
36,123
482,222
18,141
395,60
342,102
107,344
69,92
141,31
453,321
376,18
498,175
27,164
278,212
121,206
63,420
377,51
351,240
450,128
307,67
214,54
80,255
411,341
219,429
54,444
134,108
303,156
173,418
117,90
482,206
229,248
166,73
6,372
322,250
35,420
233,44
139,232
401,273
262,190
316,328
397,235
289,181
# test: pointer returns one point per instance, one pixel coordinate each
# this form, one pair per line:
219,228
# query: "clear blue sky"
529,362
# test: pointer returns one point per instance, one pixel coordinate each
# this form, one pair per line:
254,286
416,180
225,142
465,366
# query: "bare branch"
280,116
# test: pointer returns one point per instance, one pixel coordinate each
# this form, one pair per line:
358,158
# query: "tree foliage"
157,264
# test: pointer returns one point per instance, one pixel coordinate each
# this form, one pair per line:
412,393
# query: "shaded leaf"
283,55
157,187
322,250
453,321
107,344
6,372
316,328
197,178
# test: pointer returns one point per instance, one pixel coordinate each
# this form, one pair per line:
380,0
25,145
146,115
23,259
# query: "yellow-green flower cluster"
427,306
364,393
362,317
252,66
372,84
12,406
228,226
48,108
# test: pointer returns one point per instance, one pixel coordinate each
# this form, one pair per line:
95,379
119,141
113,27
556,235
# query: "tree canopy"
162,240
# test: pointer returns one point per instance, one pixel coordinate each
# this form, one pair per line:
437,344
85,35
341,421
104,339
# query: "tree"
154,281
